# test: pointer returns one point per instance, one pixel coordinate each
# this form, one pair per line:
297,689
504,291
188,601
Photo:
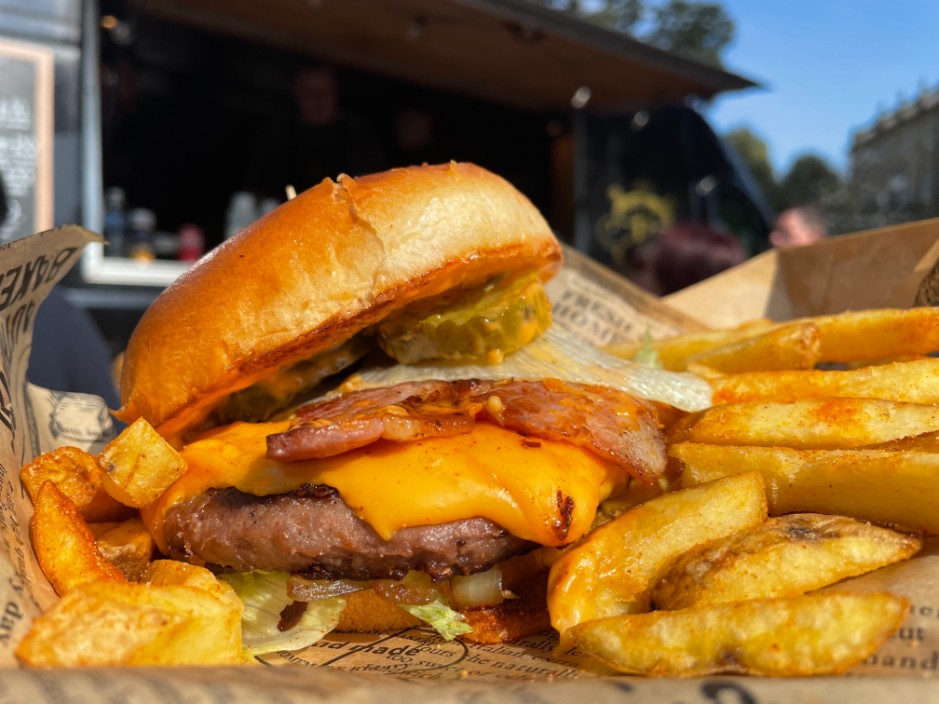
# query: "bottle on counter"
242,211
267,205
191,243
115,221
141,242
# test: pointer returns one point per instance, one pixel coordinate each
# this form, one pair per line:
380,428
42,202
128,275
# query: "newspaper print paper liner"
590,300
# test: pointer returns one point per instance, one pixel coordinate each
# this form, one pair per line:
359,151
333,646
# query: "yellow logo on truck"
633,218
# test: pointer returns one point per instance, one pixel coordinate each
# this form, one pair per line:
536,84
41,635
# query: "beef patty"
312,531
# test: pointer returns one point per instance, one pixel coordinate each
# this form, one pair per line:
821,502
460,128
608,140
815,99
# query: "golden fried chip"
163,573
73,471
822,423
78,476
99,529
785,556
110,624
853,336
615,568
892,485
878,334
64,546
128,545
790,346
139,465
913,382
824,633
673,352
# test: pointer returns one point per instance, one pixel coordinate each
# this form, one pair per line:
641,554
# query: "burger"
381,426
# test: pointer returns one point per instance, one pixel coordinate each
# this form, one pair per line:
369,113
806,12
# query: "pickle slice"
280,391
480,326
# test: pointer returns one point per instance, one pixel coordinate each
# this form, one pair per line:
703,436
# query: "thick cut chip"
78,476
615,568
128,545
673,352
162,573
64,545
913,382
824,633
139,465
853,336
109,624
824,423
894,484
73,471
791,346
785,556
878,334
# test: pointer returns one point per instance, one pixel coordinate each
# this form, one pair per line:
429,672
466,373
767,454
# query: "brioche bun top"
309,275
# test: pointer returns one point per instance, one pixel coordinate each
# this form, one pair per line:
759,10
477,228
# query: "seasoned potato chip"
64,546
139,465
785,556
852,336
913,382
78,476
73,471
823,423
894,485
128,545
99,529
104,507
615,568
875,334
791,346
172,573
110,624
673,352
824,633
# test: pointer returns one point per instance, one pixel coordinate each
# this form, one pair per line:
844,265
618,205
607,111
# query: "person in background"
798,226
689,252
320,140
69,352
415,137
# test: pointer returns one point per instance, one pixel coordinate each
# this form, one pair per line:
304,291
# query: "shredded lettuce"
265,596
647,355
447,622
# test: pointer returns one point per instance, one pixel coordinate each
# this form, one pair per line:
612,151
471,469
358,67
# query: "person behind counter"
69,353
319,140
798,226
687,253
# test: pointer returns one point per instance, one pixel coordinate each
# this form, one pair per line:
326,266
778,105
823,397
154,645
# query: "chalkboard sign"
26,137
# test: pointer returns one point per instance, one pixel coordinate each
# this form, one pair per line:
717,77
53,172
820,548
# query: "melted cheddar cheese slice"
540,490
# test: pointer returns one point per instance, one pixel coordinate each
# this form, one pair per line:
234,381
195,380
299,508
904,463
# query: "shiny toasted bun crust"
309,275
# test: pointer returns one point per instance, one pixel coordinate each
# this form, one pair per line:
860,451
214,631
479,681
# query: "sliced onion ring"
481,589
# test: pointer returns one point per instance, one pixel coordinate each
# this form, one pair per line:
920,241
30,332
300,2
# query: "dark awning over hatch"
507,51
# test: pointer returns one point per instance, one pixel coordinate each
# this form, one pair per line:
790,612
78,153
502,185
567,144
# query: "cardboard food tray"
878,268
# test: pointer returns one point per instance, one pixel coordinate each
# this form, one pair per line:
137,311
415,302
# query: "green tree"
698,30
754,153
621,15
810,180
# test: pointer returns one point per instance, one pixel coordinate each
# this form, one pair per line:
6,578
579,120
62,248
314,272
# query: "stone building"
895,163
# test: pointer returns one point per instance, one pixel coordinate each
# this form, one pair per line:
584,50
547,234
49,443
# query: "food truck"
156,110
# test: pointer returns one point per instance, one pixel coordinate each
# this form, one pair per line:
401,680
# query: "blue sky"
827,68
